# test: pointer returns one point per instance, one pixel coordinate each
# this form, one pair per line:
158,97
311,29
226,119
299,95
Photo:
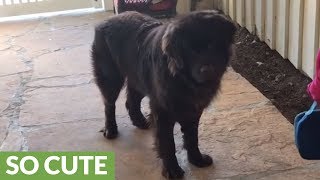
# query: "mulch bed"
272,75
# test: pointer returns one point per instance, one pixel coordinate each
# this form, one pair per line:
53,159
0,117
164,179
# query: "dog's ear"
228,28
170,46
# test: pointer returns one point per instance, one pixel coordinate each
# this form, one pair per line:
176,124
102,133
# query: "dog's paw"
173,173
203,161
110,134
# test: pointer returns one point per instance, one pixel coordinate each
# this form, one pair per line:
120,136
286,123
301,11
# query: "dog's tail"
105,68
100,52
99,44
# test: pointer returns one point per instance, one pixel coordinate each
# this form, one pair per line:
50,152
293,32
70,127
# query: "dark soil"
272,75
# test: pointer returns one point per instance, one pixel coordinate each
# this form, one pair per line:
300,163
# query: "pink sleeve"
314,87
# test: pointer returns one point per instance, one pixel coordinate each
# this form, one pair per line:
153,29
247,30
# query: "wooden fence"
289,26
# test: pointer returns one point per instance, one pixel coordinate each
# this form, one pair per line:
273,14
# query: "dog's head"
199,44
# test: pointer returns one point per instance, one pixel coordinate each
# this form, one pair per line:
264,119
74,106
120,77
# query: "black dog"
178,65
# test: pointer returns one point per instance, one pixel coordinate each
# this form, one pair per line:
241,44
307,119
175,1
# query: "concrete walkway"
49,102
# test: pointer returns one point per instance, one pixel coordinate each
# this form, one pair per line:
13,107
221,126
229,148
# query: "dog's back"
122,29
116,45
119,34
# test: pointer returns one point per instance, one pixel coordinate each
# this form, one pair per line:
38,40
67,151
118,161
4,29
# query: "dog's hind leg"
110,82
133,105
110,87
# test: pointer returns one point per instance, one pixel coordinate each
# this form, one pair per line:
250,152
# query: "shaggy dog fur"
178,65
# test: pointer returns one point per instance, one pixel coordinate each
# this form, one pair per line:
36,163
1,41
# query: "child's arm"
314,87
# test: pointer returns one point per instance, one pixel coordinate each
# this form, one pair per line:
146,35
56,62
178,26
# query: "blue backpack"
307,133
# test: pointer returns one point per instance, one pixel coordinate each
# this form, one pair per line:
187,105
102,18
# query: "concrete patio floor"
49,102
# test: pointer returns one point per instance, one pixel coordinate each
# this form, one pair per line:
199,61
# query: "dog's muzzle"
206,72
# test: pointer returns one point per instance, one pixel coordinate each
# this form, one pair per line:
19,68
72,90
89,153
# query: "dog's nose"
206,69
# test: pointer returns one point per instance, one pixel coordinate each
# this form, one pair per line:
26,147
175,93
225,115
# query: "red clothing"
314,87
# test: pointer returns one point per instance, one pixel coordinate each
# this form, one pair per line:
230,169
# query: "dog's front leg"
189,127
166,146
